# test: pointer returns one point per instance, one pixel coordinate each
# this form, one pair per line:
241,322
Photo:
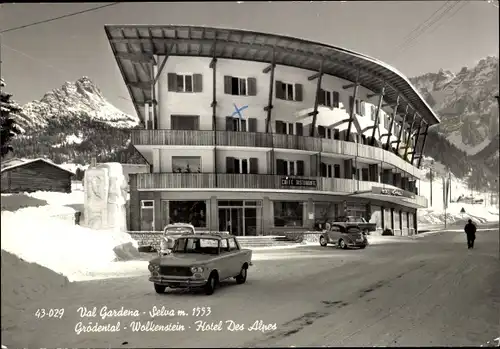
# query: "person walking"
470,231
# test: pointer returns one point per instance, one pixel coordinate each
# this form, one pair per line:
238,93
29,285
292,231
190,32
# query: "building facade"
258,134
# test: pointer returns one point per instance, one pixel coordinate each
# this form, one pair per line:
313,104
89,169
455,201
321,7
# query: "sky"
40,58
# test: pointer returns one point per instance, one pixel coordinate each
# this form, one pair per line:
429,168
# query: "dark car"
344,235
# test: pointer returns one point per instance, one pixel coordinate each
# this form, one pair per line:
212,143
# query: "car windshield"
178,230
197,245
353,219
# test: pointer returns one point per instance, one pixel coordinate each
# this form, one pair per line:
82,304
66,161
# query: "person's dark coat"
470,229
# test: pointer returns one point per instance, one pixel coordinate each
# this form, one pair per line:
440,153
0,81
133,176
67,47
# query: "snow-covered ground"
435,213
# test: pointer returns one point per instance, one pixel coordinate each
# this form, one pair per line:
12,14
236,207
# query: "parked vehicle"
366,227
201,261
344,235
171,233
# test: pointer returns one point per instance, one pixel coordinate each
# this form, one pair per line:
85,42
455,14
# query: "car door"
224,264
335,233
235,256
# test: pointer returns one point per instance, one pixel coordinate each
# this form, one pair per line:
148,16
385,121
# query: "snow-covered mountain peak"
74,99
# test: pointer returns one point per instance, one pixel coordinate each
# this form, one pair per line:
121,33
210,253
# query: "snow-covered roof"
13,163
135,45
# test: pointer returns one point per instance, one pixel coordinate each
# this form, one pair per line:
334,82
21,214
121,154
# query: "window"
232,244
185,122
336,99
364,174
236,124
242,166
336,133
186,164
147,215
289,168
285,127
289,92
192,212
362,108
288,213
224,246
326,98
184,82
336,171
326,170
237,86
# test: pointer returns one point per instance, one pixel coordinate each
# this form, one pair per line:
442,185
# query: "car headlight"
197,269
153,267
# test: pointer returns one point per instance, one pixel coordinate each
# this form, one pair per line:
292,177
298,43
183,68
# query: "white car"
171,233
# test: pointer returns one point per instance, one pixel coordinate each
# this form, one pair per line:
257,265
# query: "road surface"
430,291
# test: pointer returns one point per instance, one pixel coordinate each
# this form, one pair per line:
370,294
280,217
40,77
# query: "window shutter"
229,123
229,164
197,83
336,133
228,86
356,110
279,127
335,99
321,99
290,128
322,168
280,167
252,125
364,174
362,108
243,125
322,131
252,86
280,92
254,165
298,92
336,171
172,81
299,128
300,168
351,103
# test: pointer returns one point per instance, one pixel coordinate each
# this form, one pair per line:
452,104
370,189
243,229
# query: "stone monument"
105,189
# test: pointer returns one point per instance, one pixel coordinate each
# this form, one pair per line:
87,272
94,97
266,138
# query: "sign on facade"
393,192
298,182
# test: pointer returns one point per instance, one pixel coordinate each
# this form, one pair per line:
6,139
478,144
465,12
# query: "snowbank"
22,282
68,249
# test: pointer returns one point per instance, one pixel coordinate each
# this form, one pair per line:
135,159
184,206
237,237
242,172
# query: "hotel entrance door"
239,220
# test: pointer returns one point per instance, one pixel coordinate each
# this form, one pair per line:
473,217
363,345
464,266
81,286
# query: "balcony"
340,186
268,140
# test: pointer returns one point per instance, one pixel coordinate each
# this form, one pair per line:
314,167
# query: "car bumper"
177,281
357,243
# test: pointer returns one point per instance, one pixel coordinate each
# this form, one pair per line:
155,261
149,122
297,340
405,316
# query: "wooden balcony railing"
269,140
145,181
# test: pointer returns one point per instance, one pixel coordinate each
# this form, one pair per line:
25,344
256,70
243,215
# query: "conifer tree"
8,126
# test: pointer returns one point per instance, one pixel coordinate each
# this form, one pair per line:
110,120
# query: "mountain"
465,103
73,124
74,100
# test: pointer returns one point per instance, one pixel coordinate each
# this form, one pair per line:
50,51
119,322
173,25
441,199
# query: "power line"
410,34
57,18
408,43
464,3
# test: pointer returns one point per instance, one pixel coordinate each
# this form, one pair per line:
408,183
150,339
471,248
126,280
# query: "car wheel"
342,244
210,285
160,289
242,277
322,241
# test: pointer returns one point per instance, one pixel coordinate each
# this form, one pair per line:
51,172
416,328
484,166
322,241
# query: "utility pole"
431,175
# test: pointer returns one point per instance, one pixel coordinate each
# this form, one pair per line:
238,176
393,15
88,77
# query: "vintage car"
201,261
171,233
343,235
365,226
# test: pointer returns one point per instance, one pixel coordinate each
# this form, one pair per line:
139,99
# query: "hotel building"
258,133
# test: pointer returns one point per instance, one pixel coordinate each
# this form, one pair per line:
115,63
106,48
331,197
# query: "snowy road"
430,291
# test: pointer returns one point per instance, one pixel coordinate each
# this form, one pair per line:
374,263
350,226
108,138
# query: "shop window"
147,215
288,214
192,212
